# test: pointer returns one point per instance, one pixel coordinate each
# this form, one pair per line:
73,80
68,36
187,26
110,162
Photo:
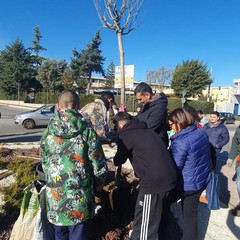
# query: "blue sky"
168,31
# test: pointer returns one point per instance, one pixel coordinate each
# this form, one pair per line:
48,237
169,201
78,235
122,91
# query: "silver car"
38,117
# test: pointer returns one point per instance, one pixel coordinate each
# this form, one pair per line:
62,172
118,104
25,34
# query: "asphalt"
216,224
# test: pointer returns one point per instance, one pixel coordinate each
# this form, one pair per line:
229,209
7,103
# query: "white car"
38,117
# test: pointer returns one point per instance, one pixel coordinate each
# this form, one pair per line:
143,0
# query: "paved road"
10,132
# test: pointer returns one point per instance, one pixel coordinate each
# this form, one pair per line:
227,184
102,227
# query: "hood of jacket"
67,124
157,99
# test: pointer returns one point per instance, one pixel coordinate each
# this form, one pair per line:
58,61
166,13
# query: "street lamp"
18,86
47,88
183,99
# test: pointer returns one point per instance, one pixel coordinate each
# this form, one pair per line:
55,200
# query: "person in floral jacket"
73,162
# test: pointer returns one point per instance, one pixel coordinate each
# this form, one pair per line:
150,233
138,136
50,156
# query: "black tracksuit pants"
151,213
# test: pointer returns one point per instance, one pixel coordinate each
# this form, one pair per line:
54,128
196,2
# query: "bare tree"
160,76
120,17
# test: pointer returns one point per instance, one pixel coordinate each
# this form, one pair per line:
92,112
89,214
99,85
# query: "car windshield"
44,107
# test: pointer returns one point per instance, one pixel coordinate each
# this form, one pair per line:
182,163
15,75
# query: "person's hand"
229,162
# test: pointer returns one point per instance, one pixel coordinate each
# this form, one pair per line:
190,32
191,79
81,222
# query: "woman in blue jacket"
190,150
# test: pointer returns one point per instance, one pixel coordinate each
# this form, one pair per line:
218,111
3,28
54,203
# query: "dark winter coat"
235,148
190,150
218,135
150,159
154,114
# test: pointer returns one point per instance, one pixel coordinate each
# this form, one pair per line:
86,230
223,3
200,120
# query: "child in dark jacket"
155,167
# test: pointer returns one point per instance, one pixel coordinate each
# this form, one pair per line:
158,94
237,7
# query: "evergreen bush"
24,173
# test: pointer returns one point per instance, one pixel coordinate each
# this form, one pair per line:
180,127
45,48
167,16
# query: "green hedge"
173,103
206,107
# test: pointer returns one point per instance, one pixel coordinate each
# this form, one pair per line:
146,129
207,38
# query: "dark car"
227,117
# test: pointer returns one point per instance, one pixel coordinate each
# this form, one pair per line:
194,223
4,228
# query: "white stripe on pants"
145,216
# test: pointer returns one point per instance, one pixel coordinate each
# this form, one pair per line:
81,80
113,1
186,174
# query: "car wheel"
29,124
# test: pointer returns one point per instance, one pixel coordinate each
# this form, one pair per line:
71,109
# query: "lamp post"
183,99
47,88
18,86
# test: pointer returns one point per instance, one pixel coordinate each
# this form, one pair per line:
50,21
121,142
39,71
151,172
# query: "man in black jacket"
156,170
154,111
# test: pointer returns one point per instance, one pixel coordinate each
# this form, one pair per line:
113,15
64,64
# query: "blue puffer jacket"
190,150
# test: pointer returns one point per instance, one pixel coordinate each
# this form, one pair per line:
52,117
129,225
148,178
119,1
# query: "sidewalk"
20,104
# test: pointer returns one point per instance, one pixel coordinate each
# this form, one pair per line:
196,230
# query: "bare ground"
117,200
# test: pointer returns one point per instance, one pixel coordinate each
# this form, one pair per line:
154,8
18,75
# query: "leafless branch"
122,20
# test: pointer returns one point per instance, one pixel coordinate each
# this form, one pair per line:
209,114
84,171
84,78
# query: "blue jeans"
238,181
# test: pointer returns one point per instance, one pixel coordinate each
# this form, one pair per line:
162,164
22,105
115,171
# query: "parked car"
38,117
227,117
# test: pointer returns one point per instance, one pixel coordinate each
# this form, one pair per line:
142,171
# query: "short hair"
68,99
182,117
143,88
122,116
215,113
200,112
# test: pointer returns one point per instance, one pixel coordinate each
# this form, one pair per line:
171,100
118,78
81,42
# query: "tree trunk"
122,67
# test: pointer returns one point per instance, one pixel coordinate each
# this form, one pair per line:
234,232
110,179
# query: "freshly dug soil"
117,201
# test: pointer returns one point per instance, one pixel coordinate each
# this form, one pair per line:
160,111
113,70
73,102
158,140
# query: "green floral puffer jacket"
73,161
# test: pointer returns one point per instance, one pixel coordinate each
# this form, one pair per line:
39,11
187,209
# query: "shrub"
24,173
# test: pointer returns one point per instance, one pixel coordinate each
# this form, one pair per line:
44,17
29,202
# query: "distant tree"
120,17
192,76
68,80
36,47
16,67
88,61
110,75
50,74
160,76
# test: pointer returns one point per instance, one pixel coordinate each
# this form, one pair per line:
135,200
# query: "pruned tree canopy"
192,77
160,76
119,16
